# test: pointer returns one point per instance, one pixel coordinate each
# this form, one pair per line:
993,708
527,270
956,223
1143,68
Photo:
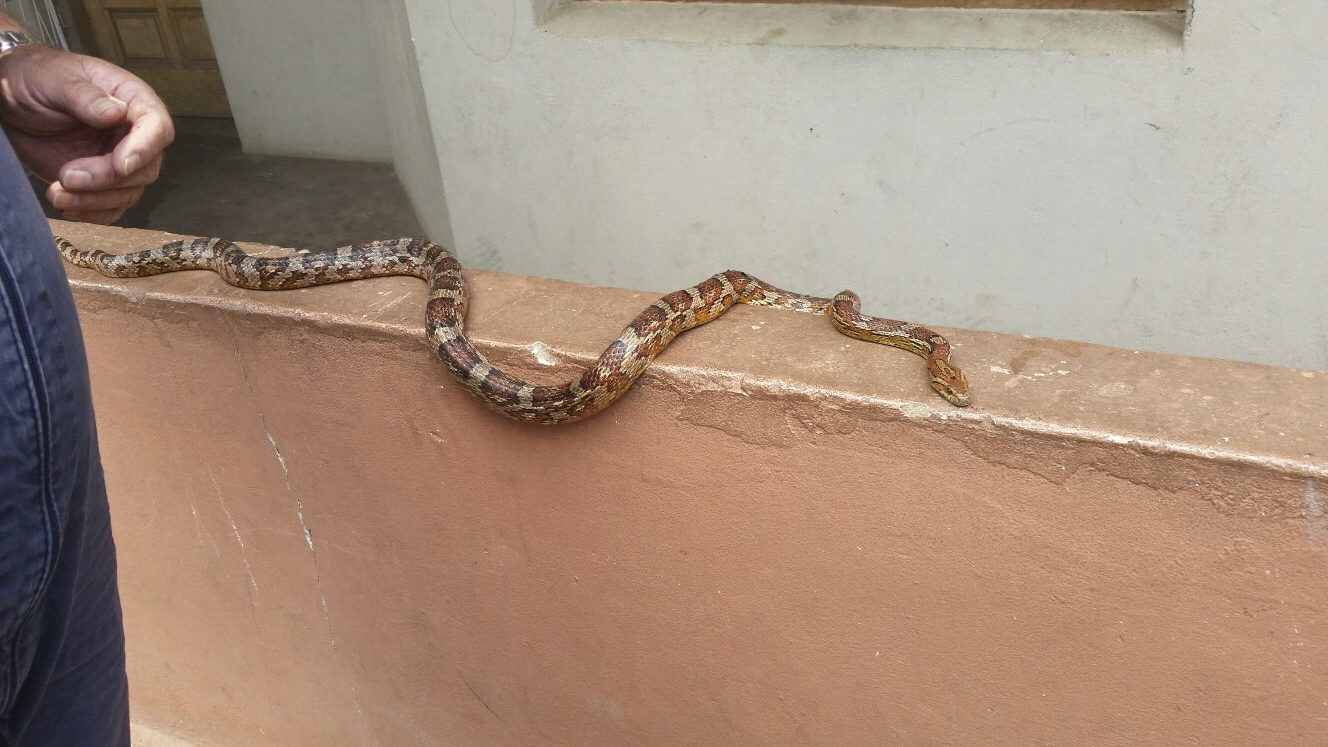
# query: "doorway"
164,42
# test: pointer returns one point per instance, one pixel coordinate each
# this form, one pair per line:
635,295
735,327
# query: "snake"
598,386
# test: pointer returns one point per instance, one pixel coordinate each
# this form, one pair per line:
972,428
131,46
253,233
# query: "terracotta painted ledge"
780,536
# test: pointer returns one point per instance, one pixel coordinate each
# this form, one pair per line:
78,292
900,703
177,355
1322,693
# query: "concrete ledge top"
1224,410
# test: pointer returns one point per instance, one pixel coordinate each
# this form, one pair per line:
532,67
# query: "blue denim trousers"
62,668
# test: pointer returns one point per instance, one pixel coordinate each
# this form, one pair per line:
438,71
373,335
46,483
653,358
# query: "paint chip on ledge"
543,354
915,410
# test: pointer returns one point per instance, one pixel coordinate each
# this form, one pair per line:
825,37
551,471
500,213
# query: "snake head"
949,382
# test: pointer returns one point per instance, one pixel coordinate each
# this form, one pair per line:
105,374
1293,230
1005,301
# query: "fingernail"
108,106
131,163
62,200
77,180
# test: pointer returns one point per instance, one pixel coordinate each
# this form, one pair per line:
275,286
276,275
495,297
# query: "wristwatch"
11,39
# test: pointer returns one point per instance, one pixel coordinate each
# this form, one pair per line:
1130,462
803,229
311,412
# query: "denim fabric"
62,676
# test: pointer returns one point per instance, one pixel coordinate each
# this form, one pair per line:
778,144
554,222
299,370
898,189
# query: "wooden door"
166,43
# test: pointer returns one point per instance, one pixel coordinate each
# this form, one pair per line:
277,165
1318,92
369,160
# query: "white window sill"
818,25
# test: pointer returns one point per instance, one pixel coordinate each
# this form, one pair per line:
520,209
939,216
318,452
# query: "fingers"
89,190
103,206
98,173
148,128
99,189
100,217
99,130
144,131
88,102
150,131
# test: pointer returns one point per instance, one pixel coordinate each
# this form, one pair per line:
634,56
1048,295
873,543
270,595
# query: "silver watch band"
11,39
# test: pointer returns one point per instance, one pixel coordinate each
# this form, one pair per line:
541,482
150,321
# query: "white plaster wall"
411,137
301,77
1168,200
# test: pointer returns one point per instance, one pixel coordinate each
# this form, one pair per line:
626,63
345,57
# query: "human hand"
95,131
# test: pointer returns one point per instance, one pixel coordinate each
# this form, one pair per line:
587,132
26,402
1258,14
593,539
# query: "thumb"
93,106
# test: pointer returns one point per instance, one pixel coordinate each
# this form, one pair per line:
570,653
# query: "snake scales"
445,316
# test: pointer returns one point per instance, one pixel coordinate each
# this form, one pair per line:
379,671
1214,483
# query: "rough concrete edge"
838,25
915,410
908,409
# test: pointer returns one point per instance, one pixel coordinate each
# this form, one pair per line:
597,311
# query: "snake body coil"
445,316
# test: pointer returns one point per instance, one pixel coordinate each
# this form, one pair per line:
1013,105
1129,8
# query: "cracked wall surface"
780,536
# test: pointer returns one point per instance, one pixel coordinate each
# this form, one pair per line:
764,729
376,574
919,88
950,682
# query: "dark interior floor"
208,187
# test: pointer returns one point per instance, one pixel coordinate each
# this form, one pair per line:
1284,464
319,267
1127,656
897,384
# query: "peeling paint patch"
700,380
235,529
280,459
299,505
543,354
915,410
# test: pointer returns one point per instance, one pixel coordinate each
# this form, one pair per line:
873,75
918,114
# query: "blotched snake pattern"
445,316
